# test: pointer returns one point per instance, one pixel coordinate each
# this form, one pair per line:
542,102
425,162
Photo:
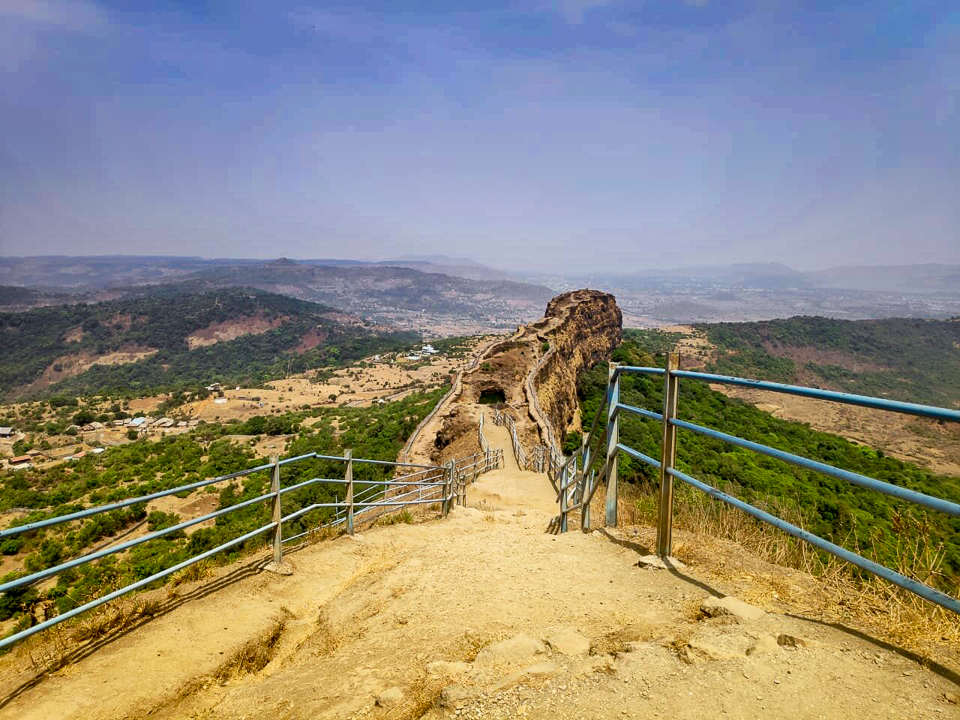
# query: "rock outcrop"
532,375
583,328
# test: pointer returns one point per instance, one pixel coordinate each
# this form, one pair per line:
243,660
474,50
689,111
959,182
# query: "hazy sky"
575,133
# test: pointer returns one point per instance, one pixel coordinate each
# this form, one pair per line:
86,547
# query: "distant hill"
453,267
92,272
756,275
168,337
400,291
21,298
905,359
383,291
908,279
929,278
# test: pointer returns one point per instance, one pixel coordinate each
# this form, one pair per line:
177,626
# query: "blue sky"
588,134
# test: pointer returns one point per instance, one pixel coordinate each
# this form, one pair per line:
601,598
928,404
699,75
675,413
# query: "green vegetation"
454,347
654,341
144,467
904,359
33,341
846,514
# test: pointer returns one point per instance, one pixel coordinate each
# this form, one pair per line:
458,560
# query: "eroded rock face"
583,327
534,374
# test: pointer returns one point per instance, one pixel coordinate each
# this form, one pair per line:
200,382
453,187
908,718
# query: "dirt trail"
412,615
499,437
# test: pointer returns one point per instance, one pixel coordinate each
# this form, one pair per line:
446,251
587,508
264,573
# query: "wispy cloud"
76,15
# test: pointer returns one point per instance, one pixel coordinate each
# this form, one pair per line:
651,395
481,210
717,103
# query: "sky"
544,135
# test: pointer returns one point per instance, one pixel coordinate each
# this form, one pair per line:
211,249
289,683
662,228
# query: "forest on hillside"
899,358
865,521
48,339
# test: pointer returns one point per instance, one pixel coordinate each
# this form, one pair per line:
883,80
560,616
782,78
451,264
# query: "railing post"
447,489
668,456
613,439
277,513
563,499
348,478
585,486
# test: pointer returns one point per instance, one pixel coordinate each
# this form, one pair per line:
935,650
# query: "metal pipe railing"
373,497
79,515
670,422
918,498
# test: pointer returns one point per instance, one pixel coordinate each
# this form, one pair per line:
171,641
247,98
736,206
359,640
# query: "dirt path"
499,437
413,615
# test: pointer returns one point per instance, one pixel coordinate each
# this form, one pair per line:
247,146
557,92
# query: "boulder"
390,696
792,641
568,642
732,607
455,696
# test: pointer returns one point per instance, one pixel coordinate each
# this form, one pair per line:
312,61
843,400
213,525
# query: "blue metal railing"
442,484
587,483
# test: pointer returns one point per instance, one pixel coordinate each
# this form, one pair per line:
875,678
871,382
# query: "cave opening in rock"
492,396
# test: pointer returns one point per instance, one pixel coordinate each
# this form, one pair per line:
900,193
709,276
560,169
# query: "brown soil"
232,329
72,365
923,442
74,334
310,341
926,443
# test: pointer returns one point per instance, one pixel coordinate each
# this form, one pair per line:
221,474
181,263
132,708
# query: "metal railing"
429,484
506,419
578,486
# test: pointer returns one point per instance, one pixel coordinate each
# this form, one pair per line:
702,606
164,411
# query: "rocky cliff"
582,328
532,374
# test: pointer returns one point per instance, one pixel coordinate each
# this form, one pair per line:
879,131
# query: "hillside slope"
905,359
171,338
854,517
391,294
444,298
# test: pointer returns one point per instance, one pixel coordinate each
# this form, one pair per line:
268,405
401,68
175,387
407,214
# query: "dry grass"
420,698
325,639
198,571
843,592
253,656
404,516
